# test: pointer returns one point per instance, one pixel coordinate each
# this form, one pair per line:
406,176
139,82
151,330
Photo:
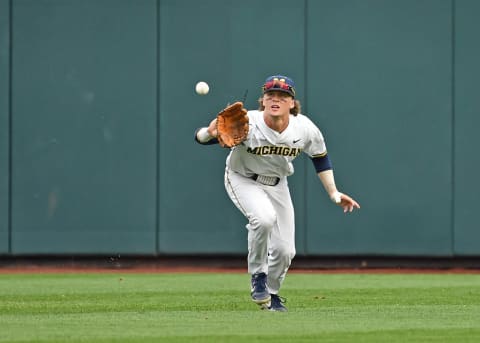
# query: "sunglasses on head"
278,83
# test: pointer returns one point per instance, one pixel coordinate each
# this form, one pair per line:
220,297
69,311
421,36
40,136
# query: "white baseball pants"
271,225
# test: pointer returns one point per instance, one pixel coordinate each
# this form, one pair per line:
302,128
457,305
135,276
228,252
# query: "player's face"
277,103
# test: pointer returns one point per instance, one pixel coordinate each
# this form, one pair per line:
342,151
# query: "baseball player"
256,182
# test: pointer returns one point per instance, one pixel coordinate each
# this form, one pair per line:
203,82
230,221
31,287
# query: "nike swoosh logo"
295,141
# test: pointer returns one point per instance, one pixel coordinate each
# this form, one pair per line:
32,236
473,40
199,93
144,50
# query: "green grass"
211,307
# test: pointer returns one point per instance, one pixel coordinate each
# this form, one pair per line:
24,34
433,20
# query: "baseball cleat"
259,292
275,304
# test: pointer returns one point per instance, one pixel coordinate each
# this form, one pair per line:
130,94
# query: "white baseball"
202,88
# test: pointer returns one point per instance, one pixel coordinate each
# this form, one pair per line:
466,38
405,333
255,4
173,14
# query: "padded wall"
196,214
98,112
380,86
84,126
466,124
4,124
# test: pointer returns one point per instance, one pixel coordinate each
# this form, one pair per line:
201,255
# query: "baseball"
202,88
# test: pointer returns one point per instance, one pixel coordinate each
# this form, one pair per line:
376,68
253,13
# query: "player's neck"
277,123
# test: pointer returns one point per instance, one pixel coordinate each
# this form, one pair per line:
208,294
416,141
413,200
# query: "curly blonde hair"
297,108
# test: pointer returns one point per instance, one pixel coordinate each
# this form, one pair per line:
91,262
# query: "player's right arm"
207,135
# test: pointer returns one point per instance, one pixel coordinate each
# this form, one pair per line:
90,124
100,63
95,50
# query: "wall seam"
453,33
10,127
157,136
305,78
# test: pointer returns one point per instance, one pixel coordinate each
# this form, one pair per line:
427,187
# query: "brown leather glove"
232,125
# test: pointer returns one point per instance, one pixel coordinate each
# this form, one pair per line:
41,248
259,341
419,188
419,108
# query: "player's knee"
263,221
287,251
284,251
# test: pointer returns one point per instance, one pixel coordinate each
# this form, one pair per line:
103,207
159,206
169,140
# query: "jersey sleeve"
316,148
315,143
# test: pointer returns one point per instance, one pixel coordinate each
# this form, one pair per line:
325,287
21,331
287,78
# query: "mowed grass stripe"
217,308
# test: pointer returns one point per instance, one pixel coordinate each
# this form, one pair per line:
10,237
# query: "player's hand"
347,203
212,128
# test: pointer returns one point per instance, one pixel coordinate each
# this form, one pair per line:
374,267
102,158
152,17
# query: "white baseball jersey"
269,153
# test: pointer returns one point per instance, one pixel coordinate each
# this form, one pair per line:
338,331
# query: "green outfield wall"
4,125
98,111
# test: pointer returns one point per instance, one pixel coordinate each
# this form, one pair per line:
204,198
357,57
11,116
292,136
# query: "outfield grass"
206,307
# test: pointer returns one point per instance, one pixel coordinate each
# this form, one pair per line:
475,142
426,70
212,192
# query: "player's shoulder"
303,120
306,125
300,117
254,115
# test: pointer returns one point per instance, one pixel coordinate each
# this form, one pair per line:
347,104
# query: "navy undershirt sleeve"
322,163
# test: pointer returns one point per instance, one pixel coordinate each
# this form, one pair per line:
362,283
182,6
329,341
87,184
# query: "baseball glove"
232,125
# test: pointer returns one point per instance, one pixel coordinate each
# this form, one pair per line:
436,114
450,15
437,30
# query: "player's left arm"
317,151
341,199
